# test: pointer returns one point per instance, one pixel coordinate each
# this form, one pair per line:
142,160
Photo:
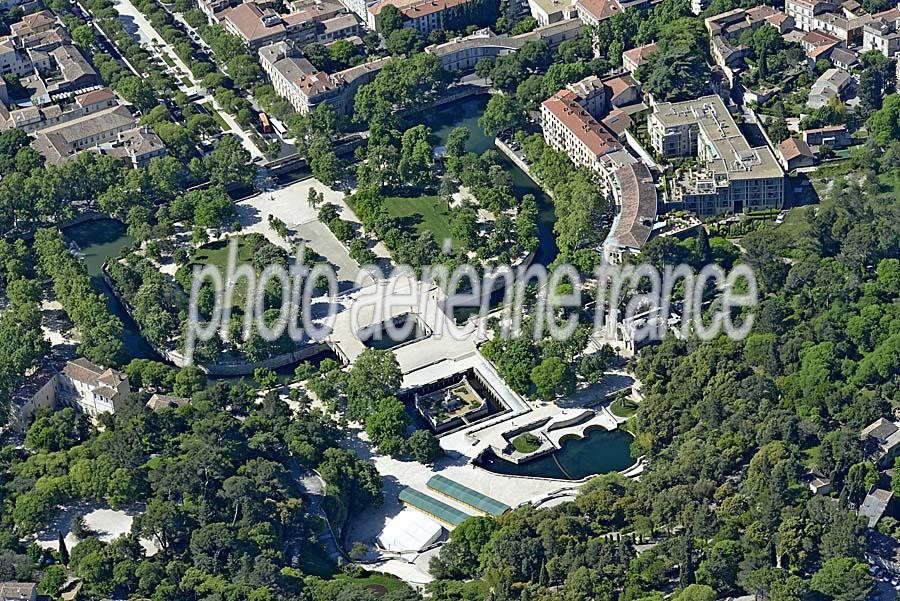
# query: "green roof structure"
432,507
467,496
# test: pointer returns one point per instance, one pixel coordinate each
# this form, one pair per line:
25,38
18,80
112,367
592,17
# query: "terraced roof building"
734,176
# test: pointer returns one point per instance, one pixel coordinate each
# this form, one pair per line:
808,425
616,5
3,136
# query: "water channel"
599,452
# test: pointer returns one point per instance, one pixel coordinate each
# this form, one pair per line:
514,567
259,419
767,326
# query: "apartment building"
570,128
880,33
300,83
59,143
461,54
734,176
424,16
804,12
33,118
546,12
294,77
259,27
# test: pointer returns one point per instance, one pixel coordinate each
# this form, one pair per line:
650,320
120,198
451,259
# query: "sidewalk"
147,33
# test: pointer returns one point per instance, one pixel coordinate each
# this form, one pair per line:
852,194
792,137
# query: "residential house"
634,58
843,58
830,85
158,402
817,483
882,441
733,177
818,45
876,505
795,153
835,136
78,383
880,33
18,591
91,388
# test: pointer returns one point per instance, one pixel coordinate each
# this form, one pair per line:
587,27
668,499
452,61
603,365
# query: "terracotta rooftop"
600,9
95,97
792,148
640,54
417,8
250,21
564,106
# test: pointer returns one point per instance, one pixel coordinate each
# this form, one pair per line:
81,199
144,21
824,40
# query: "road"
140,27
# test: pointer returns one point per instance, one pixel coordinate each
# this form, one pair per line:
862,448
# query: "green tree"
553,378
387,425
843,579
424,447
375,375
502,113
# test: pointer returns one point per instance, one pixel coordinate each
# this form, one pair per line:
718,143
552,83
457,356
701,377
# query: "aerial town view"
459,300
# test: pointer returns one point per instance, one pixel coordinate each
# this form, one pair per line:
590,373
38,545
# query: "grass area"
423,213
216,253
314,560
526,443
186,82
376,582
794,223
216,116
622,407
166,59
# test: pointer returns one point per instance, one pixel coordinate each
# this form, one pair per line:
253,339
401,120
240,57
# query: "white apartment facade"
804,12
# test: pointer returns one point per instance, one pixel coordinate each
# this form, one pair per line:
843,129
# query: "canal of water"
599,452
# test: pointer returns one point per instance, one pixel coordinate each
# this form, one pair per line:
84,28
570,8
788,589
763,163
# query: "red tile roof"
575,118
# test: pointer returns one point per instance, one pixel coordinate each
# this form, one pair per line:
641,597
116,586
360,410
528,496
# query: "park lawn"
526,443
186,82
216,116
375,580
422,213
166,59
794,223
623,408
216,253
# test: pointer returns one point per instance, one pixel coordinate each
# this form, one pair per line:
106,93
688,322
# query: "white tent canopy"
409,530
